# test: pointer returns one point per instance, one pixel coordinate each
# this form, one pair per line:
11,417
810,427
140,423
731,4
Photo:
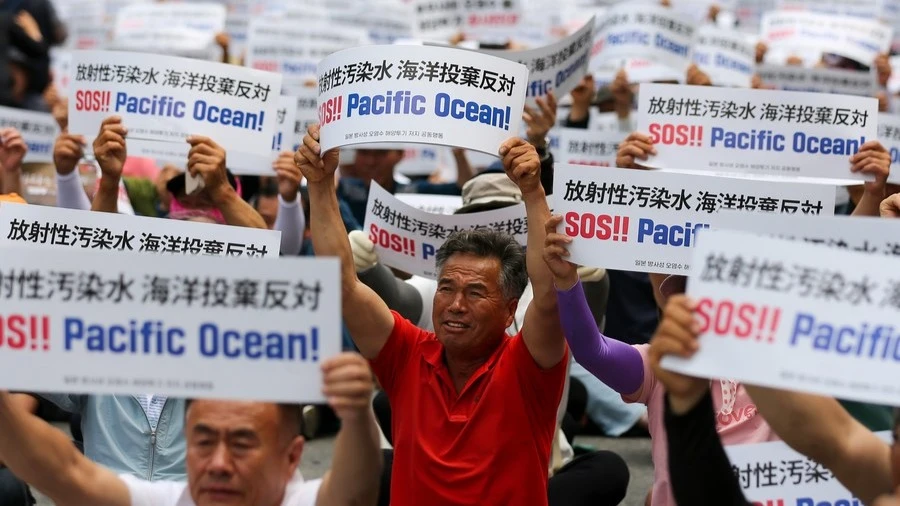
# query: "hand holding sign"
12,149
556,252
623,95
635,146
67,151
890,207
348,385
308,158
522,164
206,159
873,159
677,335
288,175
539,122
109,148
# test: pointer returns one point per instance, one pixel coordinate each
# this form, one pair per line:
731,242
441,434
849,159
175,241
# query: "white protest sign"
183,29
496,17
800,317
287,124
638,70
760,132
432,204
889,135
725,55
408,239
420,94
819,80
858,39
295,49
183,327
654,32
423,160
51,227
307,113
60,65
166,99
38,129
435,19
558,67
772,474
648,221
588,147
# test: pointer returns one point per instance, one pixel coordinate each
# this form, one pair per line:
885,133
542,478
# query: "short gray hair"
487,243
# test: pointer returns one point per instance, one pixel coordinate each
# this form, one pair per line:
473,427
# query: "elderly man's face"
470,314
376,165
239,453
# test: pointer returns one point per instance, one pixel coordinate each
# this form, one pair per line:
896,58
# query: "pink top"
737,422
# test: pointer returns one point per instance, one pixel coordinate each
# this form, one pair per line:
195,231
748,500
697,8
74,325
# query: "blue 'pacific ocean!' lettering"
672,46
167,107
254,345
399,102
668,235
809,501
444,106
767,140
632,37
163,106
880,342
133,338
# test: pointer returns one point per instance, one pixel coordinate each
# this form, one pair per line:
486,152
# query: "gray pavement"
636,452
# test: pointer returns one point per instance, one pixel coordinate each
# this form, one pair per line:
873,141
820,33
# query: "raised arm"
613,362
820,428
67,151
541,331
207,159
367,317
45,458
110,151
874,160
355,473
290,219
12,151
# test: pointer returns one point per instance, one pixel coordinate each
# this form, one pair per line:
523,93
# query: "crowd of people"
466,389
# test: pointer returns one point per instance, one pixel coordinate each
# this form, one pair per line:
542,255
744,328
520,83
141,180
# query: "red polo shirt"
488,445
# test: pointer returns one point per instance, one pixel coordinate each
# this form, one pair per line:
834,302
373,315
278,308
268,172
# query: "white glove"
589,274
364,256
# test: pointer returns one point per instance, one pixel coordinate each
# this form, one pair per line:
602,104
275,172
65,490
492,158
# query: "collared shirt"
489,443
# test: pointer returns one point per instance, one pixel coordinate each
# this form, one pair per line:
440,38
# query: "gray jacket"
117,434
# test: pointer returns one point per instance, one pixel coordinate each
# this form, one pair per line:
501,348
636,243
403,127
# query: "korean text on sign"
648,221
38,129
855,38
761,132
725,55
408,239
800,317
420,94
165,98
558,67
190,327
51,227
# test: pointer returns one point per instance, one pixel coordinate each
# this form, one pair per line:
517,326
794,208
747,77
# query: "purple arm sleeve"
615,363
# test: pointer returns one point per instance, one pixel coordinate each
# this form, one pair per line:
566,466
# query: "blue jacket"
117,435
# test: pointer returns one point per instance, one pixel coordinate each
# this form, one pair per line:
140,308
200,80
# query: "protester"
237,453
469,453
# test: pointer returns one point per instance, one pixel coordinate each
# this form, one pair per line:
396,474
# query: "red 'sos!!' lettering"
680,135
92,100
744,321
330,110
393,242
600,226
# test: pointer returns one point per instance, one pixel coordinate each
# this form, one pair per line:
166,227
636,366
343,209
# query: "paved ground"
636,452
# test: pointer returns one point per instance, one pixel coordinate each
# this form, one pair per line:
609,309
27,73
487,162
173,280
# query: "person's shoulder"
156,493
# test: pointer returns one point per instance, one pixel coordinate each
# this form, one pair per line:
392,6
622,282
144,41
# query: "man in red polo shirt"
474,410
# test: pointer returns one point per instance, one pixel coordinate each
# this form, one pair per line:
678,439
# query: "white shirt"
176,493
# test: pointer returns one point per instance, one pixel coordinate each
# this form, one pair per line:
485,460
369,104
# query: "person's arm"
290,219
580,112
356,463
367,317
12,151
623,95
699,469
110,151
464,171
871,159
67,151
45,458
207,159
820,428
541,331
224,41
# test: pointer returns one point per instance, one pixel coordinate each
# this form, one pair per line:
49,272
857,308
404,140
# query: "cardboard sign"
558,67
70,229
819,80
725,55
408,239
38,130
166,99
889,135
294,49
218,328
644,221
636,30
180,29
431,204
855,38
419,94
800,317
588,147
772,474
760,132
